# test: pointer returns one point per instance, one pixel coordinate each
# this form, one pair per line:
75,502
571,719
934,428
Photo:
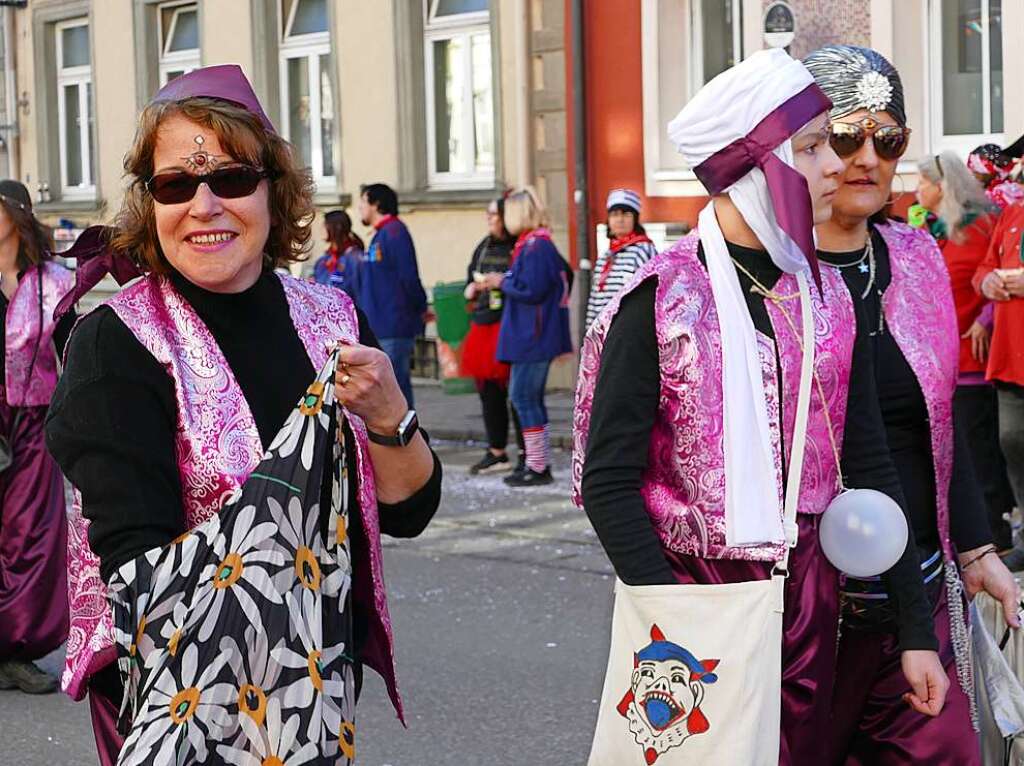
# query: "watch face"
408,426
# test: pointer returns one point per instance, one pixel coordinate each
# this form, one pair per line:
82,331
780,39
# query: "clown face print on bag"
662,706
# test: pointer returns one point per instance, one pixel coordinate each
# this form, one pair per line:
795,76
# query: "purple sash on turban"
788,189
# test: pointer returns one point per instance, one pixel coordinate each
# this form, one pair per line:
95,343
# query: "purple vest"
919,310
218,446
684,484
23,333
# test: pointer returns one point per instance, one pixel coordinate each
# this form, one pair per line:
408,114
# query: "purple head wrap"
226,82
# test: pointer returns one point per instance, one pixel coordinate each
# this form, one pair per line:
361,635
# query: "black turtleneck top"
112,420
624,412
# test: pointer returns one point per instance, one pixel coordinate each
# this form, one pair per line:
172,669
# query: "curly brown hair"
243,137
35,244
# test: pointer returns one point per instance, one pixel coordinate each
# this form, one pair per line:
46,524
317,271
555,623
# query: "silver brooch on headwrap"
857,78
874,91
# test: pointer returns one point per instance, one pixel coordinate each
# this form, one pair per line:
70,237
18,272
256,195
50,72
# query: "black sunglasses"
227,183
890,141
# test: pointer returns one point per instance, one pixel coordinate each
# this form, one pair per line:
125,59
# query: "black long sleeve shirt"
624,411
907,425
112,421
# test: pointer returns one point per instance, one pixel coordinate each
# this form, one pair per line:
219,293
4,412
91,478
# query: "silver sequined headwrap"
857,78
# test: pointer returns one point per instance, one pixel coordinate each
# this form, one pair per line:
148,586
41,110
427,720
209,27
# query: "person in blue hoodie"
388,288
534,326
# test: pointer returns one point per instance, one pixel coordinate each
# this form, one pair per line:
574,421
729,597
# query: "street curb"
558,441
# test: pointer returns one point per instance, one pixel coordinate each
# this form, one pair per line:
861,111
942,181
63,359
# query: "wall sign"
779,25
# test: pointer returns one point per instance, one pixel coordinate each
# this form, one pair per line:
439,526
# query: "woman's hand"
472,290
1014,283
493,280
980,341
928,681
365,385
988,573
992,287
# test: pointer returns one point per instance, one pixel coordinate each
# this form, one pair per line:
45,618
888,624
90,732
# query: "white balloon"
863,532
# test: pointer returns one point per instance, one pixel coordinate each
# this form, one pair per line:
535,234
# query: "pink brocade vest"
684,484
23,332
920,314
218,446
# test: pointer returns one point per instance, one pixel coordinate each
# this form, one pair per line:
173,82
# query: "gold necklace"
779,299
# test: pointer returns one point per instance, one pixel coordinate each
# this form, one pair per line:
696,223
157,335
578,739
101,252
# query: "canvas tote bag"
695,671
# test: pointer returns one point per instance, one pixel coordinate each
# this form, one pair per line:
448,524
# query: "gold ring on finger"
345,379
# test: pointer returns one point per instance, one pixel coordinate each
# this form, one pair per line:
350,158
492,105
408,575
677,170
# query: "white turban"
723,112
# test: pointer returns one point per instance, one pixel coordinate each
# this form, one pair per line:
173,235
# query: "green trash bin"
452,311
451,308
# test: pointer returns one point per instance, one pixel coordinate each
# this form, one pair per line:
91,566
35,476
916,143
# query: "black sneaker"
18,674
491,463
530,478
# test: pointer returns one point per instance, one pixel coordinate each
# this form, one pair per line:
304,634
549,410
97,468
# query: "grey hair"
962,193
857,78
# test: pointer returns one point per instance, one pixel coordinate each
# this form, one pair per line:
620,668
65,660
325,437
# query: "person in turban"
897,277
687,398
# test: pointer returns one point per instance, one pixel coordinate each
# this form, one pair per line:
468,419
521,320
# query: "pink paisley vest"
217,447
919,311
23,332
684,484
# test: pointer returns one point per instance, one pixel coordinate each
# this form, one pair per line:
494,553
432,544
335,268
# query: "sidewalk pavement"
458,417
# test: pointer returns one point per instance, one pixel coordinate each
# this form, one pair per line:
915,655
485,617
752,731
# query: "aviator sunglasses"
890,141
227,183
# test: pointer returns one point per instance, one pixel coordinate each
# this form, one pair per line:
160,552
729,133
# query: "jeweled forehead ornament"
201,161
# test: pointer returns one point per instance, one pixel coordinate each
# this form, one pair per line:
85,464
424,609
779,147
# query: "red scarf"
617,245
384,221
332,259
525,237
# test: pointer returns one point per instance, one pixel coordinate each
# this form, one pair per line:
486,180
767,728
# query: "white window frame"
82,77
962,144
661,180
175,61
696,19
462,25
310,47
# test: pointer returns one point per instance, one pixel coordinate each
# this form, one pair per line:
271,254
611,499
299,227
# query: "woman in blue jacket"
534,326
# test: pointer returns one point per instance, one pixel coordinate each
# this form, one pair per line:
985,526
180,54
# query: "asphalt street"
501,611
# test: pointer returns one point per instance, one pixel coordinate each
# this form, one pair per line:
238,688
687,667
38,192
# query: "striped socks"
538,448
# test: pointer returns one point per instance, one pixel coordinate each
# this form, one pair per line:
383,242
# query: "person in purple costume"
33,534
897,277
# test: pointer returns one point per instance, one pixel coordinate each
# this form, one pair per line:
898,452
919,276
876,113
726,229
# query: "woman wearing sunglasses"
897,275
175,387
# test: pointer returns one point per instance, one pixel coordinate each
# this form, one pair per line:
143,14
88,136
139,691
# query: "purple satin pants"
809,628
872,725
33,542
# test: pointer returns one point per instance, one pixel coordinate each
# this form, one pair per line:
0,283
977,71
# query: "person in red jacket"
1000,278
964,226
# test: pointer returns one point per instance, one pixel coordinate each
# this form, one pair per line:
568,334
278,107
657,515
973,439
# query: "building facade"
645,58
453,101
448,101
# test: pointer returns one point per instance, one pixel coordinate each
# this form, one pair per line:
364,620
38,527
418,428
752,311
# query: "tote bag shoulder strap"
796,462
